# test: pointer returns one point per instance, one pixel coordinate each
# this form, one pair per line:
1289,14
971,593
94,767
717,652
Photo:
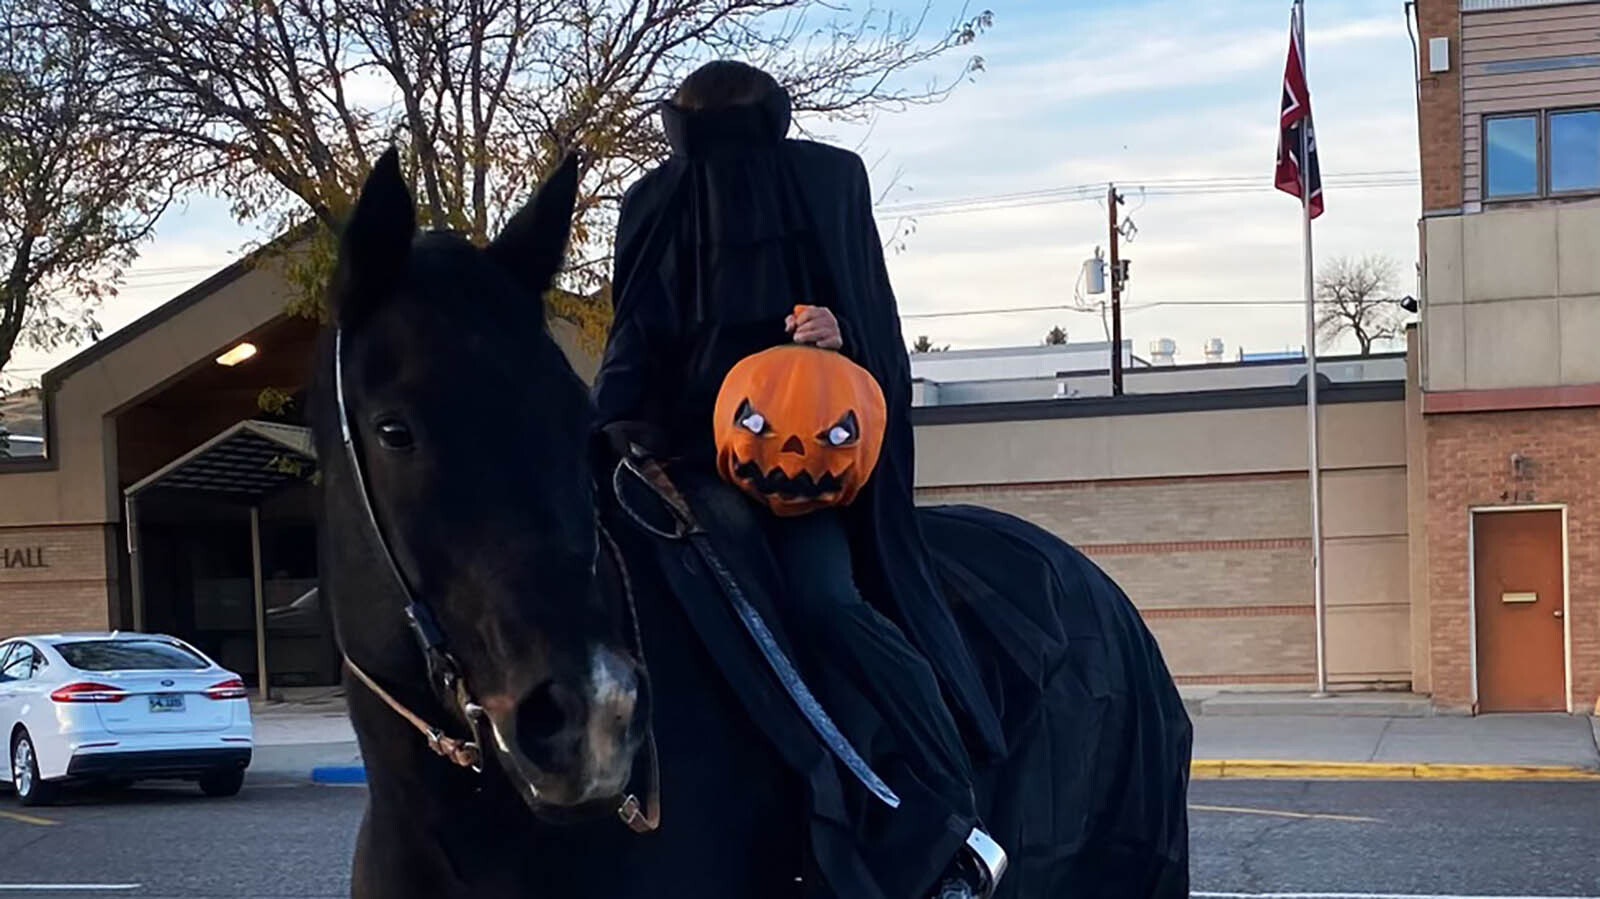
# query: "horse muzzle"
571,745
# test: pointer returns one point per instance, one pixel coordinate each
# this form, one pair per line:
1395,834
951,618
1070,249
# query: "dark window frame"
1541,119
1547,144
1540,168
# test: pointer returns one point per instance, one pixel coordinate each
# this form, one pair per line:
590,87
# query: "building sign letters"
25,557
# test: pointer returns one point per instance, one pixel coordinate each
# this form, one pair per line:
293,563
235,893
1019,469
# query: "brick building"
1506,471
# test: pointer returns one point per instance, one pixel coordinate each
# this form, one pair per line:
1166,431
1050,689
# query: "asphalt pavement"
272,841
1374,839
1321,840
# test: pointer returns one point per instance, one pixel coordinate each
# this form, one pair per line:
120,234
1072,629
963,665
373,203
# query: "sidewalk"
1493,747
308,738
1236,735
1380,736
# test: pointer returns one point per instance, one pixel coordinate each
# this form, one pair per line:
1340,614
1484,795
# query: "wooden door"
1520,595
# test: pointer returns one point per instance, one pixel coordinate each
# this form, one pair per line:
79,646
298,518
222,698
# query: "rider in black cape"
714,250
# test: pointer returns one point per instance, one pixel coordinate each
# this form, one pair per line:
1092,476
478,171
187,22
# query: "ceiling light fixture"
237,355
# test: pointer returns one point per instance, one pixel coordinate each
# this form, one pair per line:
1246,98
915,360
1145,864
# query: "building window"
1511,156
1574,151
1540,154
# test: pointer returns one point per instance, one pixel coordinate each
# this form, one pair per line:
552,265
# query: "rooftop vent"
1162,351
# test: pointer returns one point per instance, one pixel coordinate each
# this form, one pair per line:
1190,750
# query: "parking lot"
1279,839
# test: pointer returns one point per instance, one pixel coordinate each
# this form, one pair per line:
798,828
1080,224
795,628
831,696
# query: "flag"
1296,136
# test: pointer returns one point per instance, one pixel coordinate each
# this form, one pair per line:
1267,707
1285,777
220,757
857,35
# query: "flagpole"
1314,466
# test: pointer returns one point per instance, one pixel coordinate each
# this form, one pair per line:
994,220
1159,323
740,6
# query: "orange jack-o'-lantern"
799,428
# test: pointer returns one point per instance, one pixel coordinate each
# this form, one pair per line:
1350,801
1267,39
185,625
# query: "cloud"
1119,99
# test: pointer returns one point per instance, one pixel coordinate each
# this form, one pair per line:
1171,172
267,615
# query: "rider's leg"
827,614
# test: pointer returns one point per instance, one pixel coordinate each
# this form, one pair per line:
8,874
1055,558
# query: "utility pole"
1112,201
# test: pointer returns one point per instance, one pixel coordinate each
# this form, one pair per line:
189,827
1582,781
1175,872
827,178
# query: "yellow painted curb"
1217,769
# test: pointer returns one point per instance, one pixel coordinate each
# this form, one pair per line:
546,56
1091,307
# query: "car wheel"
31,788
222,784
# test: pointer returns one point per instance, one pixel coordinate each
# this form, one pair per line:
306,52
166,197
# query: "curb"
339,775
1217,769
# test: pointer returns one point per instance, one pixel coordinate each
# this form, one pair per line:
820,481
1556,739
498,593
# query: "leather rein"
641,816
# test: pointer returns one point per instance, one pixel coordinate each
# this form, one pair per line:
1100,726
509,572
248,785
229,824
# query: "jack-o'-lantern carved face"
799,428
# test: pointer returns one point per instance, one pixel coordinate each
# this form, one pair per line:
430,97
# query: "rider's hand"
815,325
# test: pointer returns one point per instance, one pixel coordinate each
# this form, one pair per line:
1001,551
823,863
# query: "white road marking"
1204,895
66,887
1275,813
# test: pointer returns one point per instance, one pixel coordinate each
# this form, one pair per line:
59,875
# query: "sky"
1082,92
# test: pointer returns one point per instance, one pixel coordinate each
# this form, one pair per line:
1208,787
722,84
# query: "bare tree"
1356,296
294,98
78,192
924,345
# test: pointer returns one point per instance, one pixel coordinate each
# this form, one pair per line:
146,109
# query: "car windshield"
135,655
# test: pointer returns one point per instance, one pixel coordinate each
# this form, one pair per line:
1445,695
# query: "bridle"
641,817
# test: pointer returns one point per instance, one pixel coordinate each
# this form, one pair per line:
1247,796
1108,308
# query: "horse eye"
394,435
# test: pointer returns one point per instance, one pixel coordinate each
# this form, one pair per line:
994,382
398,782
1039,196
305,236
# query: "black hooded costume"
714,249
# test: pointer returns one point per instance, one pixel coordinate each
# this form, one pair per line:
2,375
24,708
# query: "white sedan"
119,707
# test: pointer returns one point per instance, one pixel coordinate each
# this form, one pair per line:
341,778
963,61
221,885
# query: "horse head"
457,491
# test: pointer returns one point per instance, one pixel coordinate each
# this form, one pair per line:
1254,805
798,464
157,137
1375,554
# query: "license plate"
166,702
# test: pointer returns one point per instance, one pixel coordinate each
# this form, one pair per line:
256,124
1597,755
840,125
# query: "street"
1395,839
273,841
282,841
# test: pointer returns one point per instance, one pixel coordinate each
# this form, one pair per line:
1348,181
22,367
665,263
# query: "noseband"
641,817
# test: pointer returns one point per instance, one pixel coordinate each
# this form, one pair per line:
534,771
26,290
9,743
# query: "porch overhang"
248,462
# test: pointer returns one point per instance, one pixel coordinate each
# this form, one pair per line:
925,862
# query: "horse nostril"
544,713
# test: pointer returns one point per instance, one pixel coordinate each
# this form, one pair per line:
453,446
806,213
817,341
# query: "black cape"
714,249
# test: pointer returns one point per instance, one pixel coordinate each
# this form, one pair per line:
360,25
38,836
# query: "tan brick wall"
1468,466
1219,566
1213,579
1090,513
1266,649
69,593
1439,111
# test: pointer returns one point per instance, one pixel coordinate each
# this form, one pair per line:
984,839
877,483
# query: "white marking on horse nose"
614,693
612,681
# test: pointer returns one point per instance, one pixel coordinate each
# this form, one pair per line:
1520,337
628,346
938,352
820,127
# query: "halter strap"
640,817
466,753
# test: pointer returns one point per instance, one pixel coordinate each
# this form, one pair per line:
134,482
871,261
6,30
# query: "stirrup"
989,859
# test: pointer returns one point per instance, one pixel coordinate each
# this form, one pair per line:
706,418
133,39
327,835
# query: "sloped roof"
248,461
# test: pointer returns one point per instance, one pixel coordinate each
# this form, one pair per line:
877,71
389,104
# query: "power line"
1006,311
1017,310
1156,187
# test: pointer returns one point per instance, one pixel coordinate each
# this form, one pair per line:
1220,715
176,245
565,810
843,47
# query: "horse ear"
376,240
532,245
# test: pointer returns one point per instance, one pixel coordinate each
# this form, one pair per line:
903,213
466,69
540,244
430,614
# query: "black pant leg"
828,617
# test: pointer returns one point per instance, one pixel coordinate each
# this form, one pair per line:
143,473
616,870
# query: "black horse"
499,625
